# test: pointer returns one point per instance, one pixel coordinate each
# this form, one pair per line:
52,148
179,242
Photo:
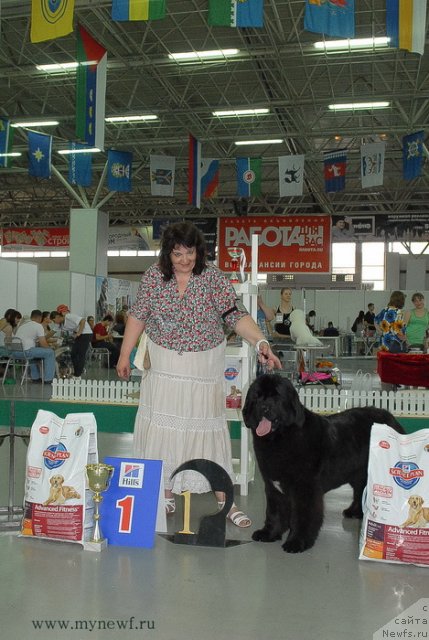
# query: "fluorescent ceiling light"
66,152
241,112
12,154
60,67
38,123
241,143
353,106
350,45
203,55
131,118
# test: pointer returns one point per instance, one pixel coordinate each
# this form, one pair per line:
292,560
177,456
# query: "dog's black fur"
304,455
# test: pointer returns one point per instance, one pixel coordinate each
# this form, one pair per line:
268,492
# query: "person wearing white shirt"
82,332
32,335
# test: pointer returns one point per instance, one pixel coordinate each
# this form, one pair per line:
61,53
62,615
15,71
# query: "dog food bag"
57,504
395,525
233,382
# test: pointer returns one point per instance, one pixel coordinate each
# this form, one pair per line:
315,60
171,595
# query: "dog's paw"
296,545
264,535
353,512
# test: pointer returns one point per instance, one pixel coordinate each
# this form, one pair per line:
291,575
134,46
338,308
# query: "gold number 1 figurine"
186,512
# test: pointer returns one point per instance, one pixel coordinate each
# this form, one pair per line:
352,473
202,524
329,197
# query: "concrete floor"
252,591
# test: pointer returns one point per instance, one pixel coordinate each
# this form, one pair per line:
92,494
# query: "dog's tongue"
263,427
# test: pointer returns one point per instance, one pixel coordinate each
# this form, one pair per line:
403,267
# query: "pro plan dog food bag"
395,526
56,502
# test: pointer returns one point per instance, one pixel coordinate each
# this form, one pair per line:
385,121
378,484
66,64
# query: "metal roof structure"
277,67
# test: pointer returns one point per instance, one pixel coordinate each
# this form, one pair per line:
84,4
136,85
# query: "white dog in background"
299,331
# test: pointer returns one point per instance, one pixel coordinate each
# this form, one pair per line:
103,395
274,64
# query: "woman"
281,315
7,324
182,303
417,322
359,324
390,323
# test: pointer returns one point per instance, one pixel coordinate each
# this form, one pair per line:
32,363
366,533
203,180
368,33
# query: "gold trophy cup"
99,476
237,263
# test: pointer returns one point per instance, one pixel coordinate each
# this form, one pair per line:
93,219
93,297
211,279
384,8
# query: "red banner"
287,244
25,237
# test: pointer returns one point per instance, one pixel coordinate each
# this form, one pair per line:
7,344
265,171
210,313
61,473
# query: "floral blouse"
390,322
192,322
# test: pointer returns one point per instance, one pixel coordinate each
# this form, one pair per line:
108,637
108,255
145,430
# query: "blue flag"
80,166
119,168
330,17
6,137
39,154
412,155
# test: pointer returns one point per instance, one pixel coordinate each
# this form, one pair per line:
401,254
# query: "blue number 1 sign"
130,505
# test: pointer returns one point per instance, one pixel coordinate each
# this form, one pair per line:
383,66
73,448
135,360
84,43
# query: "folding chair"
18,358
97,355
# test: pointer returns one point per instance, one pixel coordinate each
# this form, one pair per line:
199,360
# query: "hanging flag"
330,17
90,89
162,170
406,24
209,177
291,175
39,154
236,13
372,164
335,163
119,169
138,10
6,141
51,19
194,172
80,166
412,155
249,174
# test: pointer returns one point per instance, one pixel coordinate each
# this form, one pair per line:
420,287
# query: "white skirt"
181,414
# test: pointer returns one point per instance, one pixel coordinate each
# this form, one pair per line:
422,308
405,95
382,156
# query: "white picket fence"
410,402
112,392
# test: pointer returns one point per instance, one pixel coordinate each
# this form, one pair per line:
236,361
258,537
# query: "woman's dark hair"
361,315
397,299
46,314
108,317
12,316
187,235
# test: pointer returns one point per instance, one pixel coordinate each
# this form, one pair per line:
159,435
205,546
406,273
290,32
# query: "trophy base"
89,545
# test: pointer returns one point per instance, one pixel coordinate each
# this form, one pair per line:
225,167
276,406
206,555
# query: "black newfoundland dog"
302,455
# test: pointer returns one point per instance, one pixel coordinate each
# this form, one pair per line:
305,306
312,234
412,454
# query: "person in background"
35,345
281,315
50,334
311,321
359,324
369,318
182,303
81,330
330,330
7,325
102,339
120,322
416,322
91,321
390,324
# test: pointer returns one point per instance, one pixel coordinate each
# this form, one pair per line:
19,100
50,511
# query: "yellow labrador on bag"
418,516
59,492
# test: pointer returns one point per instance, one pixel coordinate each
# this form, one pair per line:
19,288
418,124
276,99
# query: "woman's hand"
267,358
123,368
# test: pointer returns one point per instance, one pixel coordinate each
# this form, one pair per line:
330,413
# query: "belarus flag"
90,90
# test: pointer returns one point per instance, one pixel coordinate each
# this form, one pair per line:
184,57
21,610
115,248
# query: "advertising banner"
287,244
20,239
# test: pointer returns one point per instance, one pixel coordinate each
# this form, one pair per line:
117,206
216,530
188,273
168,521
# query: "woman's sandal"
237,517
170,506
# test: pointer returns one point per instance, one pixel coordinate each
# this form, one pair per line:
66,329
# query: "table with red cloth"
410,369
